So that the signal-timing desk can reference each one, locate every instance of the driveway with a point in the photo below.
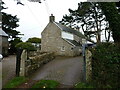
(66, 70)
(8, 68)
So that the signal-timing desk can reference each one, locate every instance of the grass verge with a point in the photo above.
(83, 85)
(15, 82)
(46, 84)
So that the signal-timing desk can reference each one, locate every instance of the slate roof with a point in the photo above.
(70, 30)
(73, 42)
(2, 33)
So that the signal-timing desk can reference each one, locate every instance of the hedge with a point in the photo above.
(106, 65)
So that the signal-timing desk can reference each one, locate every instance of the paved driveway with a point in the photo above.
(66, 70)
(8, 68)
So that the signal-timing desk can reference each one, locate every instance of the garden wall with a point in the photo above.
(33, 62)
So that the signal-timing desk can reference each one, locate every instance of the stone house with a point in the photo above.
(4, 44)
(61, 40)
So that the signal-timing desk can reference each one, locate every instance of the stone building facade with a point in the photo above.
(60, 39)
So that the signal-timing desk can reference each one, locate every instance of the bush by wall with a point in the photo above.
(26, 45)
(106, 65)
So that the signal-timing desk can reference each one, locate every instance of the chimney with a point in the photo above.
(52, 18)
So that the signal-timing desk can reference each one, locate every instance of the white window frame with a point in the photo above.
(63, 48)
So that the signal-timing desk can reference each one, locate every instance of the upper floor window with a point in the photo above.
(67, 35)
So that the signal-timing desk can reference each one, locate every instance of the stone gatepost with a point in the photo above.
(0, 75)
(88, 65)
(22, 63)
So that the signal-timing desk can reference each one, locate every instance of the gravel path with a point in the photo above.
(8, 68)
(67, 70)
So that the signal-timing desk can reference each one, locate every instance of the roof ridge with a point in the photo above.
(67, 26)
(70, 30)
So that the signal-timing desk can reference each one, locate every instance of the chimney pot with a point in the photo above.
(52, 18)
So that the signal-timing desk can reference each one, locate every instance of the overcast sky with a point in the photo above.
(33, 16)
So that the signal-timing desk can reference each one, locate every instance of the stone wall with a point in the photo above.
(88, 65)
(34, 62)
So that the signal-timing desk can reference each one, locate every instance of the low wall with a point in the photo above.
(34, 62)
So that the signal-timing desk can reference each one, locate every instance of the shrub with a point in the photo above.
(106, 65)
(26, 45)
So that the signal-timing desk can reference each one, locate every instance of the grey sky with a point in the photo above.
(35, 16)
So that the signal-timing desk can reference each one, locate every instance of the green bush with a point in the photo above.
(26, 45)
(15, 82)
(106, 65)
(46, 84)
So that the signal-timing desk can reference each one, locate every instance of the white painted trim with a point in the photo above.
(68, 42)
(57, 25)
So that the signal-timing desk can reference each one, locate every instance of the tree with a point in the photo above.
(13, 43)
(89, 18)
(113, 16)
(34, 40)
(9, 24)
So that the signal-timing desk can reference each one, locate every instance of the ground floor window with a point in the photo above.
(72, 48)
(63, 48)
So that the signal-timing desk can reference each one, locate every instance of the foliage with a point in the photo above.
(34, 40)
(46, 84)
(26, 45)
(83, 85)
(15, 82)
(88, 18)
(106, 65)
(9, 23)
(113, 16)
(13, 43)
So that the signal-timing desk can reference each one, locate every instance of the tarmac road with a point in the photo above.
(67, 70)
(8, 68)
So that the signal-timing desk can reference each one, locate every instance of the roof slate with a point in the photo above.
(70, 30)
(73, 42)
